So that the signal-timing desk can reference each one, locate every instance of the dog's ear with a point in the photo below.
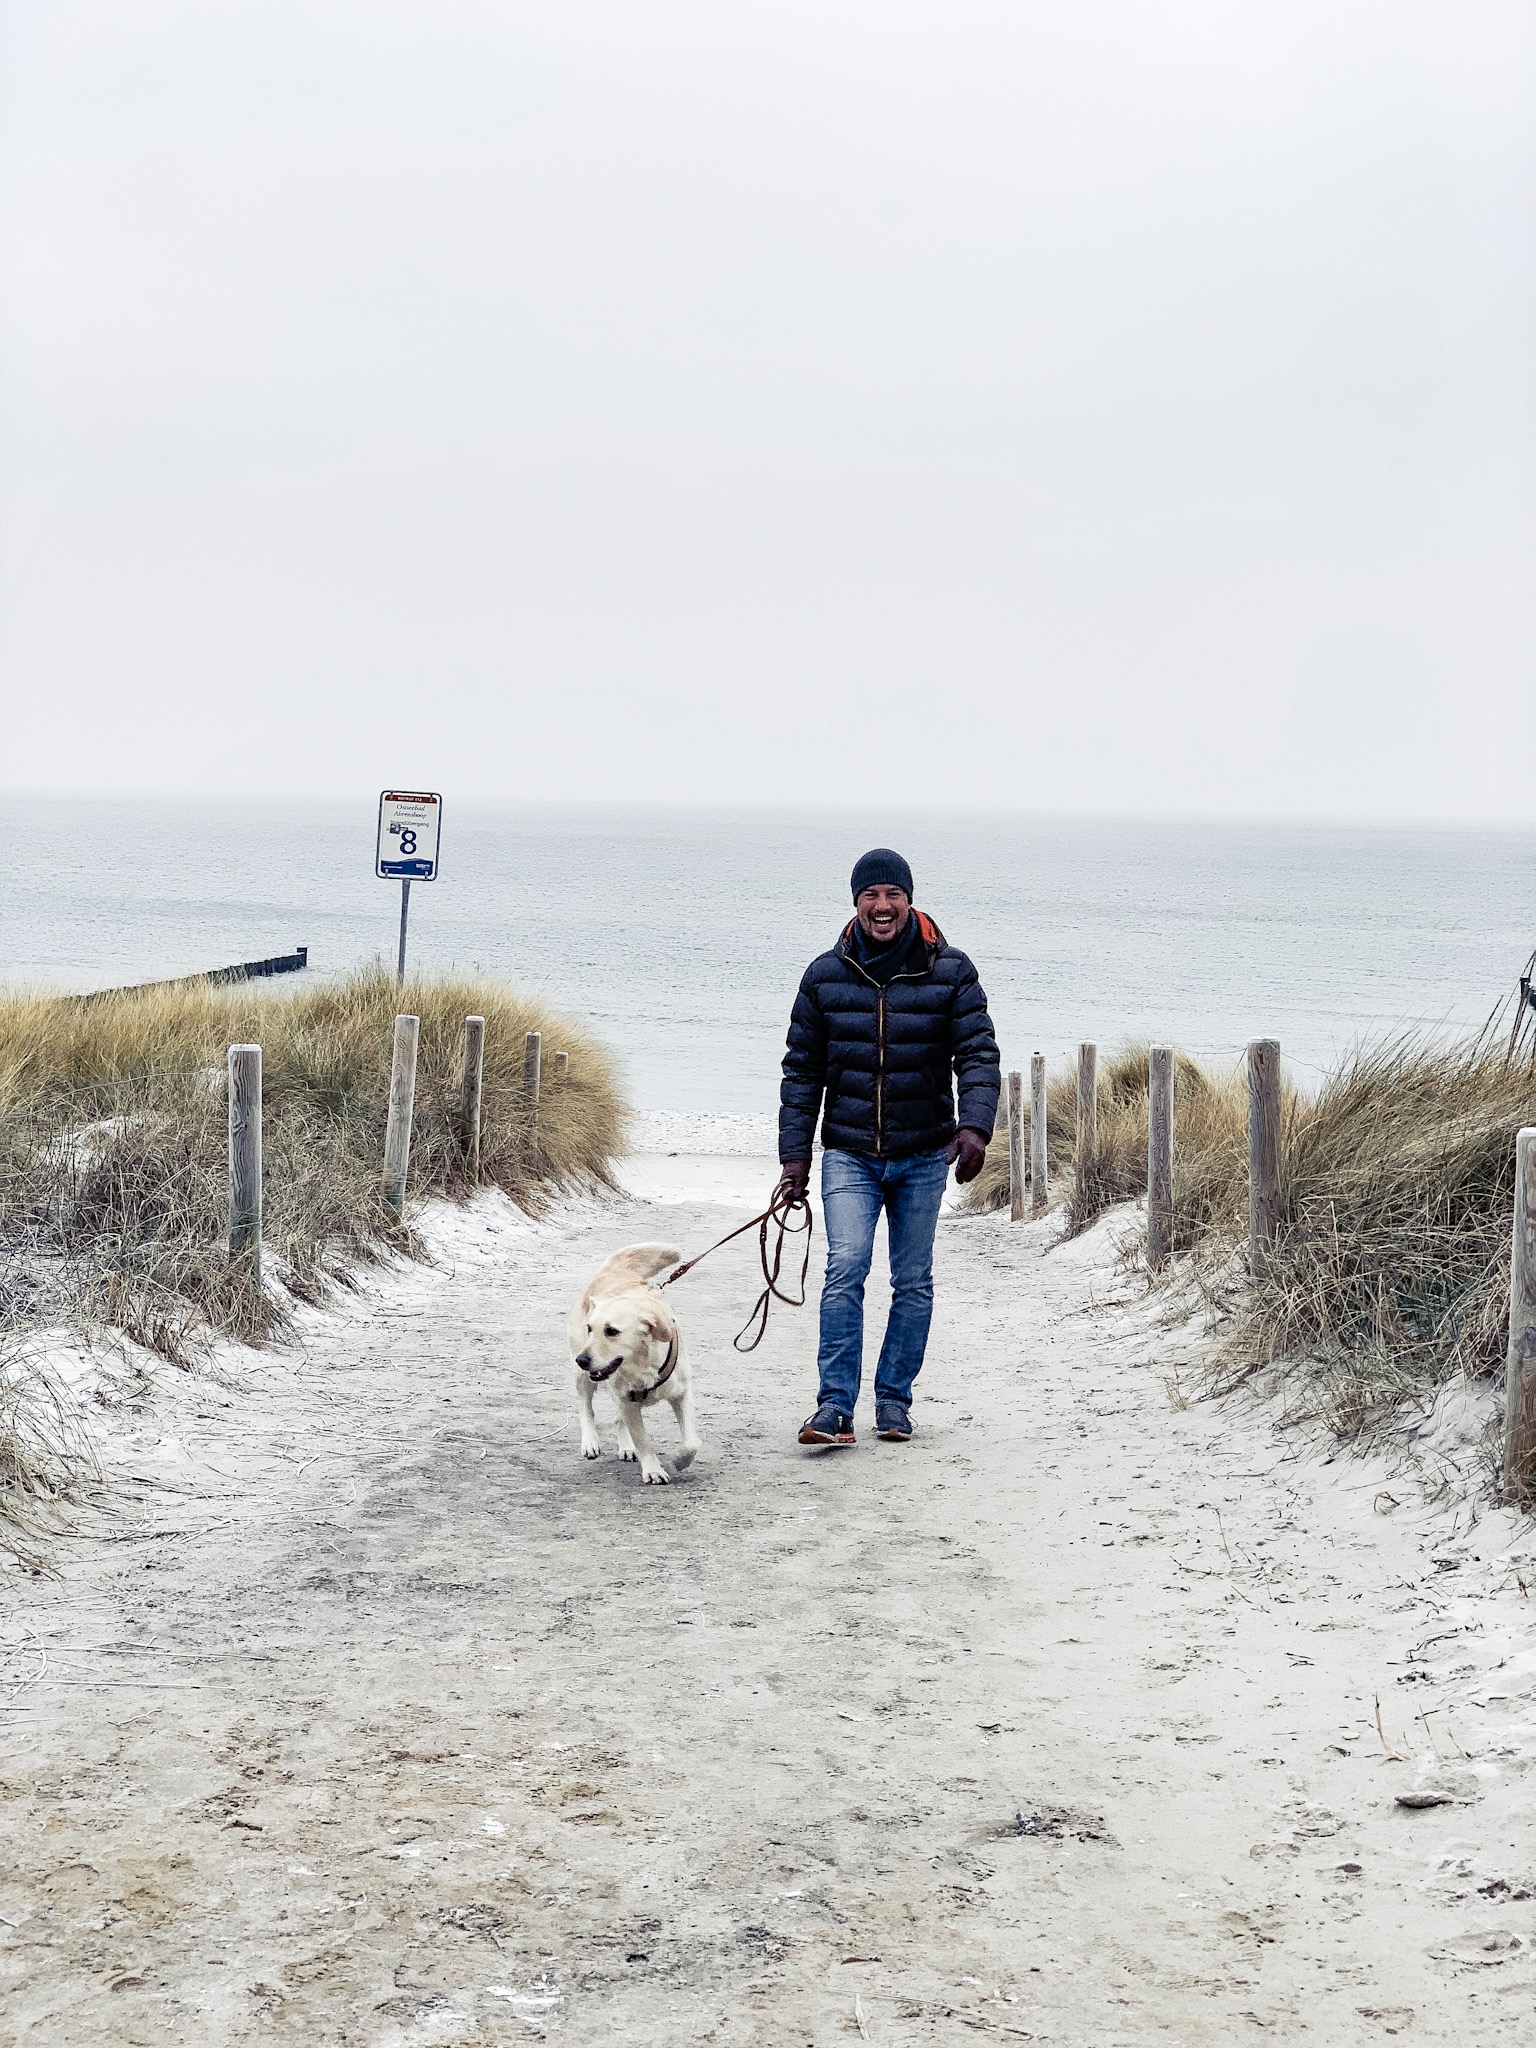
(654, 1327)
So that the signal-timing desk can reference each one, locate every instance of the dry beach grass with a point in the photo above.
(1390, 1272)
(1210, 1121)
(113, 1155)
(1390, 1275)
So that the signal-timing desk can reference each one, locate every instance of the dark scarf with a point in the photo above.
(883, 963)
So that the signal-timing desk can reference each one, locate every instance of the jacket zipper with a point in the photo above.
(880, 1074)
(880, 1044)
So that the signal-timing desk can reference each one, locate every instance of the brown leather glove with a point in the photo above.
(967, 1149)
(796, 1177)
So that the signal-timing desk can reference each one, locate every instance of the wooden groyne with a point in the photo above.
(244, 970)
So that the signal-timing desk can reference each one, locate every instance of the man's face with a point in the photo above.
(882, 912)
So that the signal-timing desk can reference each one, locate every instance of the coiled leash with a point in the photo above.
(785, 1209)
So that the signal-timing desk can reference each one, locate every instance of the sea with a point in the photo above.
(678, 935)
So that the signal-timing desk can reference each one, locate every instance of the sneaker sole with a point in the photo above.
(813, 1436)
(894, 1436)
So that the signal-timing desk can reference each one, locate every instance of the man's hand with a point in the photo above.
(967, 1149)
(795, 1178)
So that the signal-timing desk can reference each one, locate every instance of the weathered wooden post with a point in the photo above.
(1016, 1147)
(245, 1156)
(1263, 1147)
(402, 1105)
(1159, 1154)
(1520, 1361)
(562, 1066)
(1039, 1161)
(1087, 1102)
(469, 1095)
(532, 1045)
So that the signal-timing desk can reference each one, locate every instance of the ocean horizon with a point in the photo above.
(678, 934)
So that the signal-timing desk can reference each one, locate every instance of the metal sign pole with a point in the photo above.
(410, 824)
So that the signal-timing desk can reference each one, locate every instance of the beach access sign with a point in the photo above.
(410, 821)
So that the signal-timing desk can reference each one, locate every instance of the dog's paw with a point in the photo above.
(591, 1450)
(627, 1451)
(684, 1457)
(656, 1478)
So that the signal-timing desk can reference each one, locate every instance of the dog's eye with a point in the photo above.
(609, 1330)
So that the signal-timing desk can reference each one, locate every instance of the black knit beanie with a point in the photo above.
(881, 865)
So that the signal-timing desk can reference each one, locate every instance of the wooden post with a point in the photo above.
(1520, 1362)
(1263, 1147)
(531, 1054)
(1016, 1147)
(469, 1096)
(402, 1104)
(1039, 1158)
(1087, 1101)
(1159, 1154)
(562, 1066)
(245, 1156)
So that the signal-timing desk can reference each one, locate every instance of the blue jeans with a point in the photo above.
(854, 1190)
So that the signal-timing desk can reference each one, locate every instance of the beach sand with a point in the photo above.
(380, 1717)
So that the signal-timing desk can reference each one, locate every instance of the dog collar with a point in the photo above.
(644, 1393)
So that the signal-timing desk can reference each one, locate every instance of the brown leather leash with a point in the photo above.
(785, 1209)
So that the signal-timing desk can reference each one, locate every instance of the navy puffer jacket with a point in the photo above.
(882, 1057)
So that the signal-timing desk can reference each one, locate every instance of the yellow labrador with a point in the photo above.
(624, 1336)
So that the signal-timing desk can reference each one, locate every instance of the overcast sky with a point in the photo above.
(1069, 406)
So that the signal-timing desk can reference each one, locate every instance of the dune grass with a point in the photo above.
(1209, 1111)
(113, 1149)
(1389, 1274)
(1390, 1270)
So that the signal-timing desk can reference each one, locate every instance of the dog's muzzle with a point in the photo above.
(597, 1373)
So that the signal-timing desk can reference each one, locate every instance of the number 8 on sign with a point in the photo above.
(410, 823)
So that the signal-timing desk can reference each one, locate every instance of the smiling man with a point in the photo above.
(879, 1026)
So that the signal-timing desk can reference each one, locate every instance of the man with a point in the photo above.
(877, 1027)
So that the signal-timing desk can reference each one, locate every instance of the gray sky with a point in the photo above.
(1077, 406)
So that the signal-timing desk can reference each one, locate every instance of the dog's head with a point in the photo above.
(613, 1334)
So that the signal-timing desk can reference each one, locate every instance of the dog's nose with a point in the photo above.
(584, 1359)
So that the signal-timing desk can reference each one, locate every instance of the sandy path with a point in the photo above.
(394, 1722)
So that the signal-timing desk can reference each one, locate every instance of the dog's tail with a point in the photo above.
(645, 1261)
